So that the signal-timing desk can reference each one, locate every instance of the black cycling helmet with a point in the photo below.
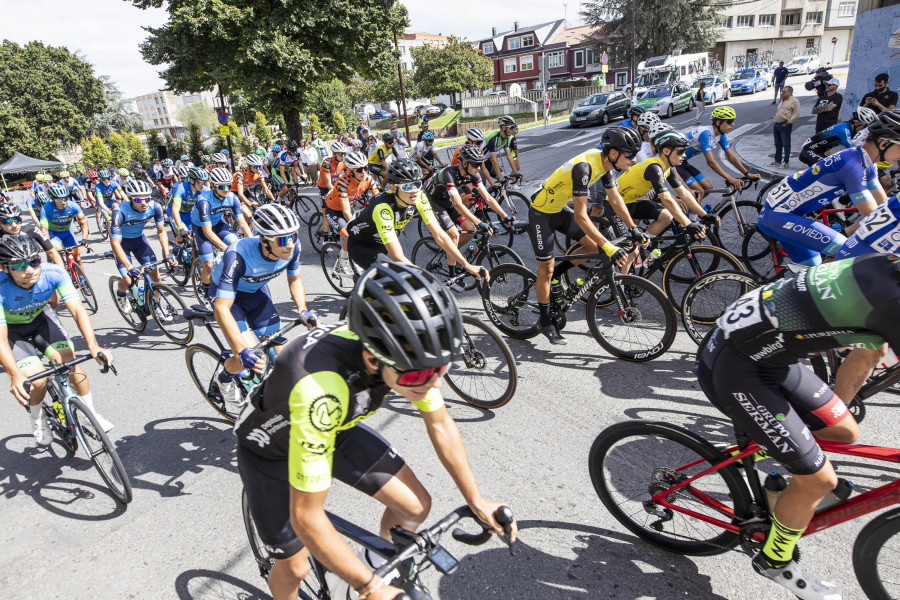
(886, 125)
(471, 154)
(16, 248)
(636, 111)
(670, 139)
(405, 317)
(623, 139)
(506, 121)
(8, 210)
(402, 171)
(198, 173)
(291, 145)
(387, 137)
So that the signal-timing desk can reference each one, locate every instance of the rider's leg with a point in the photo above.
(855, 369)
(803, 239)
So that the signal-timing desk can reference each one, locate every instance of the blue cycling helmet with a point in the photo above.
(184, 158)
(104, 174)
(198, 173)
(59, 191)
(427, 136)
(225, 151)
(42, 197)
(276, 148)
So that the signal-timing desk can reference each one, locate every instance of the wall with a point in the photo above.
(871, 55)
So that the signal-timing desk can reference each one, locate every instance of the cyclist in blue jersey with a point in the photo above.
(108, 193)
(29, 328)
(35, 205)
(182, 198)
(210, 230)
(851, 172)
(76, 190)
(287, 165)
(57, 217)
(41, 183)
(270, 162)
(128, 240)
(815, 148)
(634, 113)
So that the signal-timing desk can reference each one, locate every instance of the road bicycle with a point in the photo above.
(485, 374)
(407, 554)
(883, 379)
(184, 257)
(74, 424)
(679, 492)
(305, 206)
(426, 253)
(736, 216)
(317, 237)
(79, 279)
(708, 297)
(157, 300)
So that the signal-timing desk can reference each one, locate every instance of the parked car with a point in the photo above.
(803, 65)
(769, 74)
(433, 109)
(717, 88)
(599, 108)
(441, 105)
(666, 100)
(748, 81)
(382, 114)
(500, 93)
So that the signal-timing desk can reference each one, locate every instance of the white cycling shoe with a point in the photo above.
(796, 580)
(124, 303)
(231, 396)
(40, 429)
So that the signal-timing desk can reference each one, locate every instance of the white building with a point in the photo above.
(408, 41)
(158, 109)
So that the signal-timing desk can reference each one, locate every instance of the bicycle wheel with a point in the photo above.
(428, 255)
(181, 272)
(102, 225)
(731, 232)
(632, 461)
(485, 375)
(875, 557)
(305, 206)
(135, 318)
(341, 282)
(761, 196)
(760, 254)
(510, 301)
(197, 283)
(203, 365)
(168, 314)
(495, 256)
(708, 297)
(317, 237)
(689, 265)
(261, 555)
(83, 285)
(641, 329)
(100, 450)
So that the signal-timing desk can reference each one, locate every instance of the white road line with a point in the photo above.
(734, 135)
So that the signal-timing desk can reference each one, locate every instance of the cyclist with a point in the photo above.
(425, 154)
(549, 213)
(634, 116)
(57, 217)
(29, 328)
(815, 148)
(749, 369)
(474, 137)
(648, 125)
(184, 161)
(182, 199)
(704, 139)
(504, 141)
(164, 182)
(290, 158)
(126, 234)
(851, 172)
(330, 169)
(383, 154)
(124, 177)
(247, 179)
(11, 223)
(270, 163)
(301, 427)
(240, 295)
(211, 231)
(35, 205)
(76, 191)
(353, 187)
(41, 183)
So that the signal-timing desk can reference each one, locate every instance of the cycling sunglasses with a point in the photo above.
(411, 186)
(254, 167)
(13, 221)
(105, 178)
(418, 378)
(222, 187)
(34, 263)
(680, 151)
(141, 199)
(629, 155)
(282, 240)
(361, 170)
(729, 121)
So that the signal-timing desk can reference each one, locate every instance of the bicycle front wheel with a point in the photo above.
(494, 256)
(708, 297)
(317, 237)
(875, 557)
(632, 320)
(485, 375)
(102, 225)
(736, 223)
(203, 365)
(342, 281)
(305, 206)
(760, 254)
(181, 272)
(101, 451)
(135, 317)
(168, 313)
(632, 461)
(689, 265)
(428, 255)
(197, 283)
(510, 301)
(84, 288)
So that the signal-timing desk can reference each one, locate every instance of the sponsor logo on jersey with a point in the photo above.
(768, 349)
(260, 437)
(325, 413)
(809, 232)
(816, 169)
(773, 429)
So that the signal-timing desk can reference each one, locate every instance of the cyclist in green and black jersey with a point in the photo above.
(502, 141)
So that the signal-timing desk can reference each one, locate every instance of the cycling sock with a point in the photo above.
(88, 400)
(224, 376)
(344, 255)
(120, 294)
(560, 268)
(544, 310)
(779, 547)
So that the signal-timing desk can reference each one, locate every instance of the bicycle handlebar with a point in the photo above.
(66, 367)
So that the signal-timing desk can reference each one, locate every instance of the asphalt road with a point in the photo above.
(182, 536)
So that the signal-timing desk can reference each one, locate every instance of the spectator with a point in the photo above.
(423, 128)
(786, 115)
(198, 160)
(398, 135)
(309, 156)
(546, 109)
(829, 107)
(819, 83)
(361, 129)
(259, 149)
(881, 97)
(80, 178)
(779, 76)
(370, 146)
(700, 100)
(156, 169)
(319, 145)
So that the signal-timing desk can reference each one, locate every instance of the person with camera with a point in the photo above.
(819, 83)
(828, 107)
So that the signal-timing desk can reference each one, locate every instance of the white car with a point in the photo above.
(804, 65)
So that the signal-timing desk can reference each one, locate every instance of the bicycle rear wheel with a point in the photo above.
(203, 365)
(102, 225)
(708, 297)
(317, 237)
(83, 285)
(135, 318)
(101, 451)
(874, 557)
(731, 232)
(181, 272)
(341, 282)
(688, 265)
(510, 300)
(632, 461)
(305, 206)
(168, 314)
(197, 283)
(428, 255)
(485, 375)
(760, 254)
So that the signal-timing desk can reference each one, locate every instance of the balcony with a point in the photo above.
(792, 4)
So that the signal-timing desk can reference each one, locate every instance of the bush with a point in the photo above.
(337, 120)
(314, 124)
(261, 130)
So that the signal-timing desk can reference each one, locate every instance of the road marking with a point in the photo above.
(734, 135)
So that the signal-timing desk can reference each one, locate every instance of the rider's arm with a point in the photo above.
(736, 161)
(115, 238)
(47, 247)
(85, 228)
(461, 206)
(513, 161)
(9, 365)
(440, 236)
(266, 189)
(241, 221)
(489, 200)
(83, 320)
(654, 174)
(233, 269)
(43, 222)
(298, 291)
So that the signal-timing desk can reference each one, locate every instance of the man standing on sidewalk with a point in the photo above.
(786, 115)
(828, 107)
(779, 76)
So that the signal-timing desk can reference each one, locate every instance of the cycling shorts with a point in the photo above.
(375, 170)
(809, 158)
(362, 254)
(138, 248)
(542, 225)
(447, 217)
(184, 216)
(362, 459)
(803, 239)
(205, 248)
(323, 191)
(776, 406)
(276, 177)
(336, 220)
(253, 311)
(44, 335)
(689, 173)
(643, 208)
(62, 239)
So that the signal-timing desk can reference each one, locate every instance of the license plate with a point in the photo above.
(581, 118)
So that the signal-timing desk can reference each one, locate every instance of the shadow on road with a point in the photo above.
(205, 584)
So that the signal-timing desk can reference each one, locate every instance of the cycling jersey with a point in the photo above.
(182, 198)
(245, 178)
(168, 175)
(348, 188)
(22, 305)
(59, 220)
(318, 388)
(106, 190)
(572, 179)
(38, 186)
(425, 152)
(35, 234)
(446, 181)
(270, 162)
(840, 134)
(330, 169)
(72, 185)
(494, 144)
(456, 161)
(878, 232)
(626, 123)
(209, 208)
(645, 177)
(702, 140)
(380, 221)
(243, 268)
(381, 156)
(287, 159)
(128, 223)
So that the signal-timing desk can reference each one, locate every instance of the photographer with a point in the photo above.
(819, 82)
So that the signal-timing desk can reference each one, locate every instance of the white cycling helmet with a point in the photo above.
(865, 115)
(138, 188)
(356, 160)
(647, 119)
(253, 160)
(475, 134)
(273, 220)
(338, 148)
(657, 128)
(218, 157)
(357, 144)
(219, 176)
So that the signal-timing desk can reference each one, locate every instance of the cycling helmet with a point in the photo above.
(219, 176)
(105, 174)
(63, 174)
(427, 137)
(8, 210)
(218, 158)
(198, 173)
(252, 160)
(355, 160)
(357, 144)
(647, 119)
(204, 159)
(637, 110)
(291, 145)
(387, 137)
(16, 248)
(184, 158)
(138, 188)
(124, 173)
(471, 154)
(60, 191)
(475, 134)
(886, 125)
(864, 115)
(272, 220)
(276, 148)
(167, 162)
(723, 113)
(623, 139)
(43, 177)
(402, 171)
(405, 317)
(670, 139)
(92, 174)
(225, 151)
(506, 121)
(338, 148)
(42, 197)
(658, 128)
(182, 172)
(136, 165)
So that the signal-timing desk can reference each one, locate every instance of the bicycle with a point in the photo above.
(736, 216)
(687, 496)
(883, 379)
(485, 375)
(184, 256)
(629, 316)
(428, 255)
(74, 424)
(402, 552)
(317, 237)
(157, 300)
(708, 297)
(305, 206)
(79, 278)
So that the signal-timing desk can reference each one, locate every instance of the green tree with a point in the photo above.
(102, 155)
(137, 148)
(360, 90)
(315, 124)
(338, 121)
(119, 149)
(194, 139)
(174, 146)
(456, 67)
(200, 114)
(274, 53)
(117, 114)
(261, 129)
(329, 98)
(16, 135)
(387, 89)
(659, 27)
(153, 142)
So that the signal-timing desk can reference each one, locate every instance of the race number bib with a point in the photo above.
(746, 312)
(875, 221)
(779, 193)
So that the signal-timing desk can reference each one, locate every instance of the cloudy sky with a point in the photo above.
(108, 32)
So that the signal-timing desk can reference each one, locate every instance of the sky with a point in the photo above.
(108, 32)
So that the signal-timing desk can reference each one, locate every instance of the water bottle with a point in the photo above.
(774, 485)
(556, 291)
(837, 496)
(139, 291)
(572, 292)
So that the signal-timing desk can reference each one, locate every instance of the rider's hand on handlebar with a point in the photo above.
(710, 219)
(103, 356)
(252, 359)
(639, 237)
(737, 184)
(386, 592)
(134, 272)
(752, 176)
(618, 255)
(17, 388)
(485, 228)
(696, 230)
(485, 509)
(310, 318)
(478, 271)
(170, 258)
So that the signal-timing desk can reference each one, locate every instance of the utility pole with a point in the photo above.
(227, 137)
(633, 46)
(402, 92)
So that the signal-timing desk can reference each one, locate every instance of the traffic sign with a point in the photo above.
(223, 117)
(834, 40)
(224, 130)
(604, 59)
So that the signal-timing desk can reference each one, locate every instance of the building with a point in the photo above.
(839, 22)
(408, 41)
(516, 54)
(158, 109)
(570, 55)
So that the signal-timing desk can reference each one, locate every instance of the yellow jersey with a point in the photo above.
(572, 179)
(633, 183)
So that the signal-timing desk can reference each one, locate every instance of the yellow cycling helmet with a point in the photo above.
(43, 177)
(124, 173)
(723, 113)
(63, 174)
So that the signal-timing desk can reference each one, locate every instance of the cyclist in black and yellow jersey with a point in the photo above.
(382, 155)
(549, 213)
(301, 427)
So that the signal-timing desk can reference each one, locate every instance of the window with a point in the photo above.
(725, 22)
(488, 48)
(846, 9)
(745, 21)
(513, 43)
(767, 20)
(621, 79)
(526, 63)
(810, 42)
(683, 70)
(814, 18)
(579, 58)
(555, 59)
(509, 65)
(591, 59)
(527, 40)
(790, 18)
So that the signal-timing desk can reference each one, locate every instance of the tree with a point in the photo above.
(153, 141)
(387, 89)
(119, 149)
(261, 129)
(315, 124)
(659, 28)
(194, 139)
(274, 53)
(328, 99)
(16, 135)
(338, 122)
(117, 114)
(199, 114)
(138, 151)
(456, 67)
(100, 152)
(174, 146)
(360, 90)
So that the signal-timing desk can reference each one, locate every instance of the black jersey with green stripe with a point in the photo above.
(852, 302)
(382, 218)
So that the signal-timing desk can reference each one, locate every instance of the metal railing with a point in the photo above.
(488, 101)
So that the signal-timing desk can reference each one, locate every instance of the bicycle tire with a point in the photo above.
(92, 436)
(760, 254)
(494, 256)
(729, 233)
(429, 256)
(136, 319)
(102, 225)
(867, 550)
(317, 237)
(690, 264)
(474, 385)
(328, 258)
(304, 206)
(708, 297)
(761, 196)
(510, 301)
(181, 272)
(179, 330)
(197, 283)
(604, 319)
(205, 378)
(655, 472)
(63, 434)
(86, 290)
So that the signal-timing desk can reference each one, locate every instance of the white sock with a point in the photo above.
(35, 412)
(88, 400)
(344, 255)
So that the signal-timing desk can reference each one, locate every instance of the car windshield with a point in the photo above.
(594, 100)
(800, 61)
(662, 92)
(745, 74)
(707, 80)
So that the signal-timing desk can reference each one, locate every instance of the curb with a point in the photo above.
(766, 171)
